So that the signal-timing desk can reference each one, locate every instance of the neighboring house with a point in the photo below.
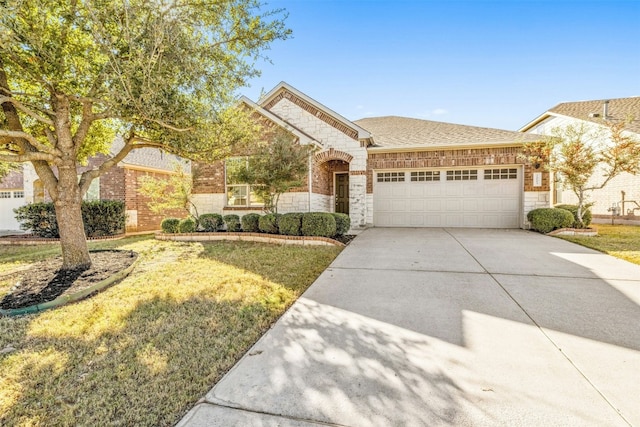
(389, 171)
(119, 183)
(622, 192)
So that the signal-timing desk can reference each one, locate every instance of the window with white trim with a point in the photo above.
(505, 173)
(419, 176)
(390, 176)
(18, 194)
(239, 193)
(5, 194)
(462, 175)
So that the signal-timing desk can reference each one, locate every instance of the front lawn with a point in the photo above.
(145, 350)
(620, 241)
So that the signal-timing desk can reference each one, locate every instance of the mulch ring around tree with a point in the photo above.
(45, 281)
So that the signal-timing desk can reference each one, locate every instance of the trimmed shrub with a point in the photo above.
(250, 223)
(210, 222)
(100, 218)
(103, 217)
(170, 225)
(290, 224)
(232, 222)
(269, 223)
(343, 223)
(586, 214)
(39, 219)
(546, 220)
(187, 225)
(318, 224)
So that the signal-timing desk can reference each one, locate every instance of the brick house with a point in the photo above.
(390, 171)
(622, 192)
(119, 183)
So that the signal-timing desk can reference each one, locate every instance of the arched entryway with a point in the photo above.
(331, 178)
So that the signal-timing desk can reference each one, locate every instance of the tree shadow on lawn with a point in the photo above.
(147, 369)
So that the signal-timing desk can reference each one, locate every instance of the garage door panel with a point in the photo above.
(417, 205)
(462, 202)
(433, 205)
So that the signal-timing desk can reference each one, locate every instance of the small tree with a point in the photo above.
(173, 192)
(575, 153)
(275, 168)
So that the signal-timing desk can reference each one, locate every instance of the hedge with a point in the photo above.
(232, 221)
(318, 224)
(250, 223)
(343, 223)
(170, 225)
(210, 222)
(187, 225)
(290, 224)
(100, 218)
(586, 214)
(103, 217)
(546, 220)
(269, 223)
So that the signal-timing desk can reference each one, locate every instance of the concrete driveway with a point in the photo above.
(427, 327)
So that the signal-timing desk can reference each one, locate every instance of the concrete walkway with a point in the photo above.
(427, 327)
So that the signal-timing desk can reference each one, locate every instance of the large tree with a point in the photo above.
(587, 157)
(162, 73)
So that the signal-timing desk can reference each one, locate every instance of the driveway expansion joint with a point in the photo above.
(253, 411)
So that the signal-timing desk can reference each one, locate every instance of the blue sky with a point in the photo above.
(483, 63)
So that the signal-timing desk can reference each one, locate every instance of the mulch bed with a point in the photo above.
(346, 239)
(45, 281)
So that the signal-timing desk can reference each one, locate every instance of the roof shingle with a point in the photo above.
(619, 109)
(405, 132)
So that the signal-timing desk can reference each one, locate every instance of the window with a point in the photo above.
(391, 177)
(5, 194)
(93, 193)
(239, 193)
(425, 176)
(500, 173)
(18, 194)
(462, 175)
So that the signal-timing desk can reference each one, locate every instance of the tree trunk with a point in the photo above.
(75, 252)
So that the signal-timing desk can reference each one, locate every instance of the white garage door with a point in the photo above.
(9, 200)
(481, 198)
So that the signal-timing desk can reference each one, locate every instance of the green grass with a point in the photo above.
(620, 241)
(145, 350)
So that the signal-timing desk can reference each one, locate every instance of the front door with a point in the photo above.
(342, 193)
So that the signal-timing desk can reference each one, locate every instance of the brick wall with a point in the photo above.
(208, 178)
(112, 184)
(323, 176)
(136, 202)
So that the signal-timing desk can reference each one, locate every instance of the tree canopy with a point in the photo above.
(275, 167)
(161, 73)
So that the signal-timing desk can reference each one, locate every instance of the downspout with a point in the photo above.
(310, 181)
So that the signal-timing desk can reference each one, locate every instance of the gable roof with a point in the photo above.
(392, 132)
(286, 91)
(593, 111)
(302, 137)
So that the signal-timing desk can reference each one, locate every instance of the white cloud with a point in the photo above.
(439, 112)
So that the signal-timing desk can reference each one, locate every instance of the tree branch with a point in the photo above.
(20, 106)
(29, 157)
(31, 140)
